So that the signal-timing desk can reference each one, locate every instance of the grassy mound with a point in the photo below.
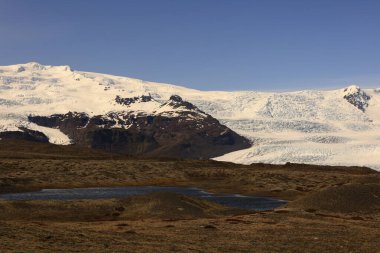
(167, 205)
(161, 205)
(13, 148)
(350, 198)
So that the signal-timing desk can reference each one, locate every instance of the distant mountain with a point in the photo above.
(43, 103)
(63, 106)
(175, 128)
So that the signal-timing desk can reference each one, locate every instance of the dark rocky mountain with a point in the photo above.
(357, 97)
(184, 132)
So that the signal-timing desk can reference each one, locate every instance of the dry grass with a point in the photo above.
(161, 205)
(350, 198)
(317, 220)
(261, 232)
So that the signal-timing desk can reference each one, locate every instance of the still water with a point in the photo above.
(231, 200)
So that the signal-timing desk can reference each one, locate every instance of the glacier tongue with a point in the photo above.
(334, 127)
(317, 127)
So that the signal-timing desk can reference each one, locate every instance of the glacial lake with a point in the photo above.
(231, 200)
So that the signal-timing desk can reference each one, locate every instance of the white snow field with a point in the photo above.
(334, 127)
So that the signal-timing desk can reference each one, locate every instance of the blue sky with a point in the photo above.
(204, 44)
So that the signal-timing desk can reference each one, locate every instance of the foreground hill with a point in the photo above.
(337, 127)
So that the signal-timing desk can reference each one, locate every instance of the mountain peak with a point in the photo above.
(352, 89)
(176, 98)
(357, 97)
(35, 66)
(176, 101)
(33, 63)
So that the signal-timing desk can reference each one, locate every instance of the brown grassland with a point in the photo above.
(330, 209)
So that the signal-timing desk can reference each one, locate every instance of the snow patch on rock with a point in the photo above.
(357, 97)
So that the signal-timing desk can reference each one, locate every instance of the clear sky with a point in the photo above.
(203, 44)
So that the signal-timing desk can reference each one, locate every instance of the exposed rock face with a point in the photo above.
(25, 134)
(176, 101)
(355, 96)
(129, 101)
(184, 133)
(68, 120)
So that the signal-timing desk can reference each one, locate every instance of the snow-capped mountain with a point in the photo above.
(335, 127)
(56, 104)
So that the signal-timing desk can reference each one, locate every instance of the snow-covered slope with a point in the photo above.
(336, 127)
